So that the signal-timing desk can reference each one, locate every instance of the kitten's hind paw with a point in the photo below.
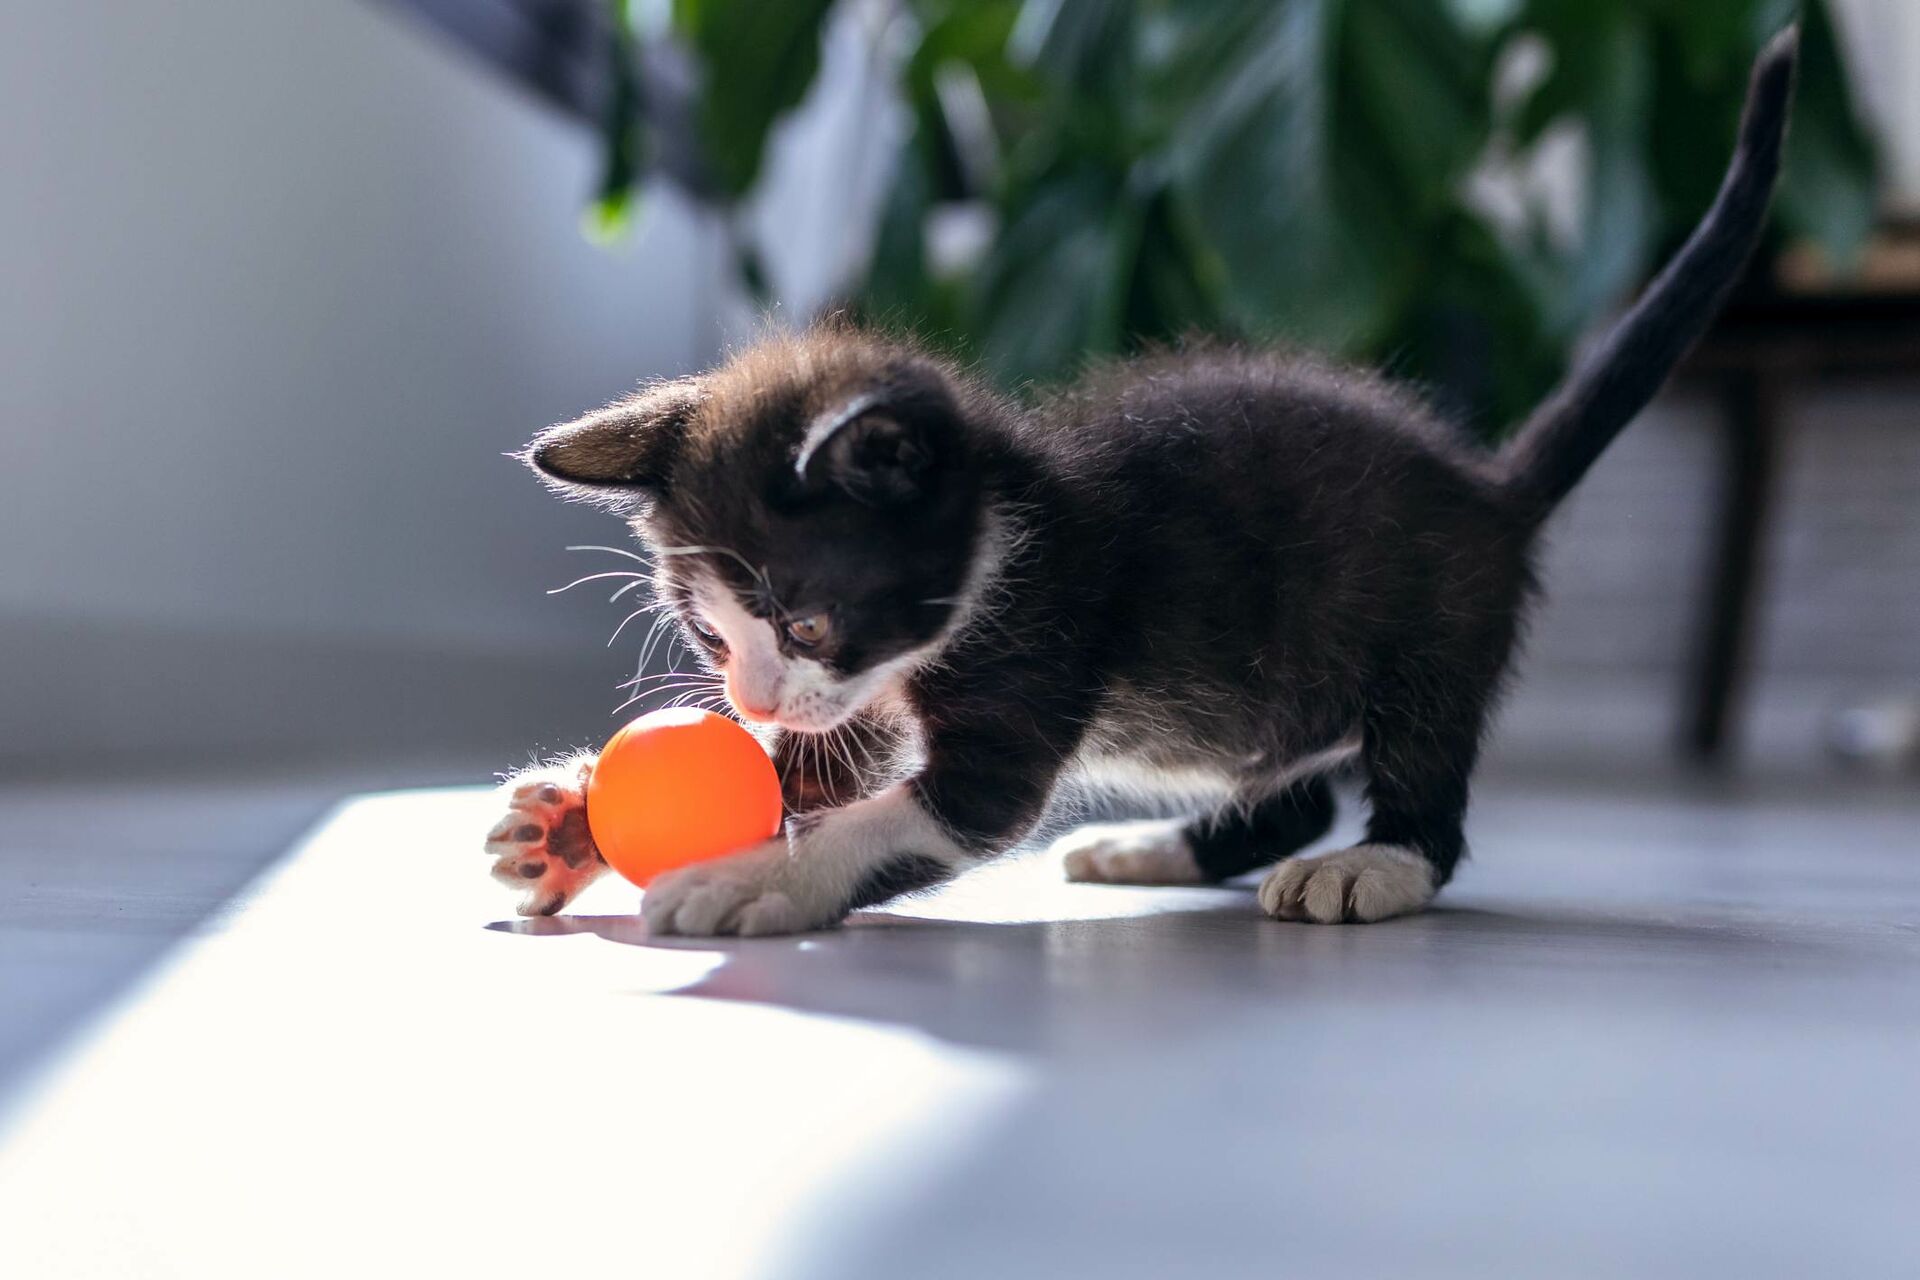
(1153, 851)
(542, 844)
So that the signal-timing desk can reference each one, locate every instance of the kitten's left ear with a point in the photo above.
(628, 446)
(871, 453)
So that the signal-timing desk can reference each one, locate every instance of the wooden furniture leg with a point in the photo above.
(1724, 634)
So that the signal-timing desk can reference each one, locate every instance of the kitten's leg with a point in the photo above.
(1204, 850)
(980, 790)
(1418, 759)
(827, 863)
(542, 845)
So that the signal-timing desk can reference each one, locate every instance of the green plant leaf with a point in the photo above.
(1829, 191)
(1052, 290)
(757, 59)
(1255, 170)
(1602, 76)
(897, 278)
(611, 215)
(1289, 168)
(1415, 86)
(1173, 290)
(1084, 47)
(1476, 331)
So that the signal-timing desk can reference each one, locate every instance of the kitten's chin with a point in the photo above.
(813, 724)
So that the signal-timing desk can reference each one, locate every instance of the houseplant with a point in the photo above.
(1313, 171)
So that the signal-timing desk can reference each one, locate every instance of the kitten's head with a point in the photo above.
(815, 508)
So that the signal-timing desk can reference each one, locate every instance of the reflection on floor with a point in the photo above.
(1653, 1031)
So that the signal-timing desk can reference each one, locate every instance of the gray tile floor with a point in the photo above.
(1654, 1030)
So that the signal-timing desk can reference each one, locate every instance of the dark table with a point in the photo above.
(1768, 345)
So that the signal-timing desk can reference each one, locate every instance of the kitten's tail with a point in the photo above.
(1567, 432)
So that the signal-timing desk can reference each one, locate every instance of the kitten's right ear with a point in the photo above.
(629, 446)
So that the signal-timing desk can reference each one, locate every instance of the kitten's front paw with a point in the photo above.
(750, 894)
(1359, 885)
(542, 844)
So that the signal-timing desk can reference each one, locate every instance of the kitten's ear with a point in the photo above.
(871, 454)
(629, 445)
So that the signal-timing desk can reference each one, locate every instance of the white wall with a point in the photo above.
(279, 282)
(1882, 37)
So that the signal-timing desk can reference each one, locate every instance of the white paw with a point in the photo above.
(542, 844)
(758, 892)
(1152, 852)
(1365, 883)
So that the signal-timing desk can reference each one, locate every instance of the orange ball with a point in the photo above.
(680, 786)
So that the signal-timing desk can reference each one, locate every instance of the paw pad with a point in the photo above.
(542, 845)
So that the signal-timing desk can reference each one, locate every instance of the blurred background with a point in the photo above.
(283, 282)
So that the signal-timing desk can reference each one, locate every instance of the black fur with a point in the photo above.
(1232, 842)
(1564, 437)
(905, 874)
(1208, 560)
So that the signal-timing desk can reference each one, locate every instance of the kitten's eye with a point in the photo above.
(810, 630)
(706, 632)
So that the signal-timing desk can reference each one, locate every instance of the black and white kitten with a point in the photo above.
(1215, 571)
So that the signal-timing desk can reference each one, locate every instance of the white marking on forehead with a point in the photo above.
(825, 424)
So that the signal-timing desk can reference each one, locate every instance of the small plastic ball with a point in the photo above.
(680, 786)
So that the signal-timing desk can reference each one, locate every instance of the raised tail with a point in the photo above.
(1554, 448)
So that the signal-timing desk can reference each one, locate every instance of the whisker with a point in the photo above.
(700, 676)
(648, 693)
(759, 574)
(653, 641)
(662, 626)
(623, 706)
(853, 766)
(846, 756)
(595, 577)
(810, 756)
(866, 754)
(618, 551)
(660, 622)
(623, 626)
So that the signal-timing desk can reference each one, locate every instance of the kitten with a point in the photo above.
(1212, 571)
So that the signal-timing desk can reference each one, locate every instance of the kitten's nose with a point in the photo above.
(745, 706)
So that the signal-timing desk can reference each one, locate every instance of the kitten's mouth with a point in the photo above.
(802, 705)
(798, 724)
(815, 719)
